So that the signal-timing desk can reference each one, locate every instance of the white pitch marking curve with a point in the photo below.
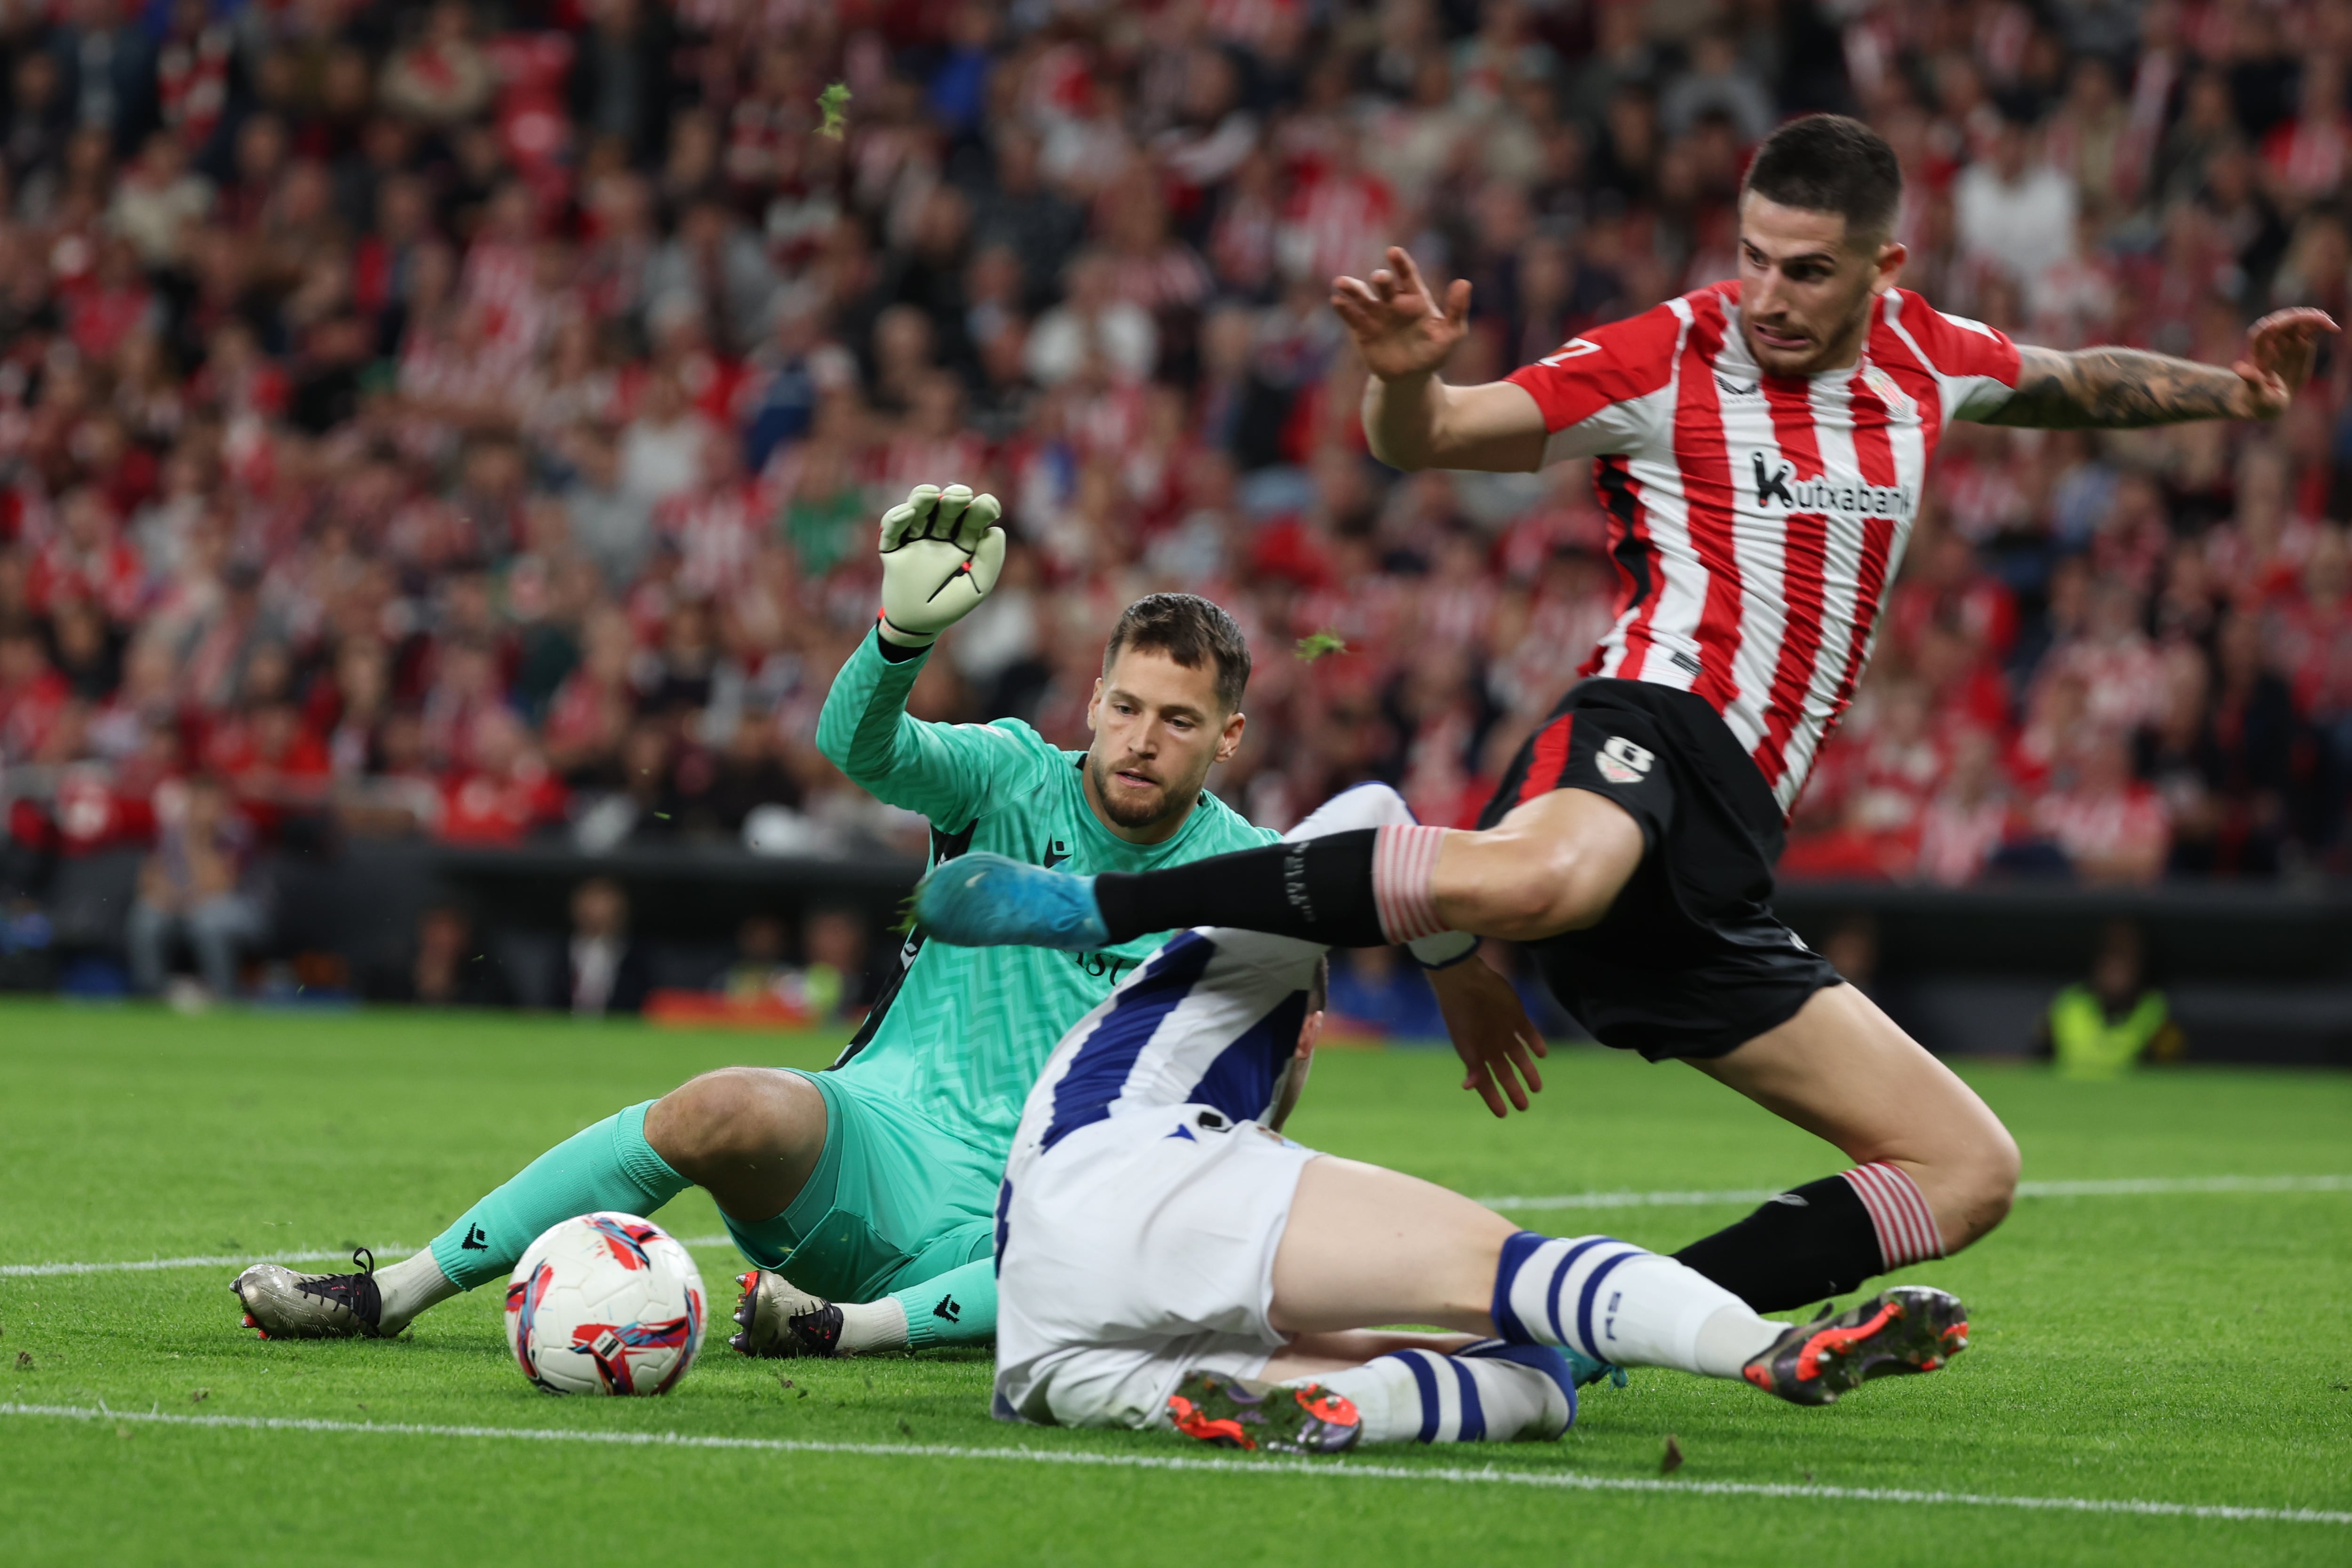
(2129, 1187)
(1340, 1469)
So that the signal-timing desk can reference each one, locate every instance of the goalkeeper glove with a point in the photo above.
(942, 552)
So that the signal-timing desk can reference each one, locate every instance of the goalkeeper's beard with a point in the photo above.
(1126, 810)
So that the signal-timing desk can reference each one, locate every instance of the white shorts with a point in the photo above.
(1139, 1249)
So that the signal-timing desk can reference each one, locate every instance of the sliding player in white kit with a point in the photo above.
(1166, 1257)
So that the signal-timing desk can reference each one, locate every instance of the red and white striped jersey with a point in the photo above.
(1756, 521)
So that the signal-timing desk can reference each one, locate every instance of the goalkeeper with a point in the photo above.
(872, 1185)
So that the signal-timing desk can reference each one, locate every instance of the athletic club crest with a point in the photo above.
(1898, 402)
(1623, 762)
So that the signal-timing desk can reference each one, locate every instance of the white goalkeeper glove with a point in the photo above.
(942, 552)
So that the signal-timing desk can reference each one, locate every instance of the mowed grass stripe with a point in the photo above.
(1349, 1469)
(2127, 1187)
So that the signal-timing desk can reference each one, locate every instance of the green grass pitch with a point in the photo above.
(2175, 1349)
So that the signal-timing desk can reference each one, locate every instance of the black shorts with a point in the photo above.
(1690, 960)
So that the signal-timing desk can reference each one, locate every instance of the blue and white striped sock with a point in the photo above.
(1488, 1392)
(1616, 1302)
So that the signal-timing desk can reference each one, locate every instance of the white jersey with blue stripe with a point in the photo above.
(1212, 1018)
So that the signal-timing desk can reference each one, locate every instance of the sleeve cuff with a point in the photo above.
(896, 652)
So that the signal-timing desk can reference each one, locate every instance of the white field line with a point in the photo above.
(2131, 1186)
(1348, 1470)
(2134, 1187)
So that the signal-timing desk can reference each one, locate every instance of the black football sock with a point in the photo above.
(1807, 1245)
(1317, 889)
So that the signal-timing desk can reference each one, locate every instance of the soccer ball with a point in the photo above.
(606, 1303)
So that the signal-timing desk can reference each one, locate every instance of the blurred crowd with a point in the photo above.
(469, 420)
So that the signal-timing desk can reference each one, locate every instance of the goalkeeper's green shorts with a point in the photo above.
(894, 1200)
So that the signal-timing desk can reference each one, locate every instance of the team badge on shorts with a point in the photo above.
(1623, 762)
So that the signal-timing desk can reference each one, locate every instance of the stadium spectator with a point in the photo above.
(2110, 827)
(441, 78)
(1852, 949)
(604, 969)
(450, 968)
(494, 401)
(2103, 1026)
(2015, 212)
(834, 975)
(2312, 639)
(1968, 819)
(190, 889)
(33, 697)
(2248, 750)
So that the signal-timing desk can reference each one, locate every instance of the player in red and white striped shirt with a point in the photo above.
(1760, 446)
(1757, 517)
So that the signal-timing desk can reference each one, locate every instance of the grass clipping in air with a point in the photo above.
(1315, 644)
(834, 103)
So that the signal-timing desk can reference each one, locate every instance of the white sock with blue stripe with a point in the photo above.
(1616, 1302)
(1487, 1392)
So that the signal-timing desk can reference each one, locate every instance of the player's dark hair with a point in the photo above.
(1829, 163)
(1190, 629)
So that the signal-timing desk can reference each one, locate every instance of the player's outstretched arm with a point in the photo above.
(1412, 419)
(942, 552)
(2106, 387)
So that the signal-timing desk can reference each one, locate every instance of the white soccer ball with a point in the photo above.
(606, 1303)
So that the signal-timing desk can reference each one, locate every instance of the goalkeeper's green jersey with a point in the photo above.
(963, 1033)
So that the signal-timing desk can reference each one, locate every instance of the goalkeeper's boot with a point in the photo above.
(1908, 1329)
(777, 1319)
(983, 900)
(281, 1304)
(1588, 1370)
(1289, 1418)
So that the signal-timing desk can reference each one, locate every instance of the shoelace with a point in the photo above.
(818, 1330)
(340, 1287)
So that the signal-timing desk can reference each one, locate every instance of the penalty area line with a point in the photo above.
(2128, 1186)
(1344, 1469)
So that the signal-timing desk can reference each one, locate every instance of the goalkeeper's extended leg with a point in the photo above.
(607, 1167)
(749, 1135)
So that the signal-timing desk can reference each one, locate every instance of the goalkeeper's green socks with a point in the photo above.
(958, 1307)
(608, 1166)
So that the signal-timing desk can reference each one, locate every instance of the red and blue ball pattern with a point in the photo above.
(605, 1303)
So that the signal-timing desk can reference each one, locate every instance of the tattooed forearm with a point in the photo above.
(2117, 389)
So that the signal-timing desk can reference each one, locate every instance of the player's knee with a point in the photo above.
(1981, 1186)
(719, 1120)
